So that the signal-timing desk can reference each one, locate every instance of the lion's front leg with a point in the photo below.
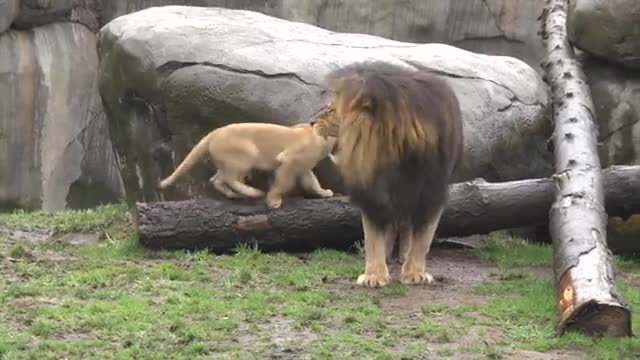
(414, 266)
(376, 273)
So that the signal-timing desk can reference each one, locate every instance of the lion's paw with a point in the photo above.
(416, 278)
(373, 280)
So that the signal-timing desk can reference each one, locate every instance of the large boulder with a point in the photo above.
(616, 97)
(495, 27)
(8, 12)
(55, 150)
(606, 28)
(170, 74)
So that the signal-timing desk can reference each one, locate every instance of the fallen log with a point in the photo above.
(475, 207)
(588, 300)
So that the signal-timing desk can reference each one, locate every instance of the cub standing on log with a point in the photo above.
(400, 138)
(236, 149)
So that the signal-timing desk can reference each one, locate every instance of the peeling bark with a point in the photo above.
(475, 207)
(589, 301)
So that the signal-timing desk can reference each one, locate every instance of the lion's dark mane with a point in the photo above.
(412, 187)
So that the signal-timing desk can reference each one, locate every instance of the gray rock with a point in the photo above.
(168, 75)
(8, 12)
(616, 97)
(54, 138)
(495, 27)
(79, 239)
(41, 12)
(32, 236)
(606, 28)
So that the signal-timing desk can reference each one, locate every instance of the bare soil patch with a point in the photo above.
(453, 271)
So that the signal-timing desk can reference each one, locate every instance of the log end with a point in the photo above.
(598, 319)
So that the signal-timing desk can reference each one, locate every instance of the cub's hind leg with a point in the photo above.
(311, 184)
(236, 165)
(414, 267)
(218, 183)
(234, 178)
(376, 273)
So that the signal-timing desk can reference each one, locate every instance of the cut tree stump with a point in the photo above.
(475, 207)
(588, 300)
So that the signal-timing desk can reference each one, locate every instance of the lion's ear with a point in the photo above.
(362, 99)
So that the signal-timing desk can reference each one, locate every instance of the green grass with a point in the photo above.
(115, 300)
(98, 219)
(523, 305)
(510, 253)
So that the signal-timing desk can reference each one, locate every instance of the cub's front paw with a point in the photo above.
(274, 202)
(325, 193)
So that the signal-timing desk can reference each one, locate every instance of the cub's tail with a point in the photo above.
(197, 153)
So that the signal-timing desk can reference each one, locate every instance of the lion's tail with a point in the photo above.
(196, 154)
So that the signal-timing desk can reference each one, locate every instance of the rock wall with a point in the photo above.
(609, 29)
(54, 139)
(616, 97)
(38, 12)
(8, 12)
(608, 33)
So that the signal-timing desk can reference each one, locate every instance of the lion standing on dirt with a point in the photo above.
(400, 138)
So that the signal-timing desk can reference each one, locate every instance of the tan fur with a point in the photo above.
(236, 149)
(399, 133)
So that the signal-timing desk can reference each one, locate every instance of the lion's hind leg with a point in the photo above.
(414, 266)
(376, 273)
(403, 239)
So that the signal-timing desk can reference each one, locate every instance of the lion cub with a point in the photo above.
(236, 149)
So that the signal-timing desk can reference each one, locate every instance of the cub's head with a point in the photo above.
(326, 122)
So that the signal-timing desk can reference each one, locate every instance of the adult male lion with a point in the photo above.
(400, 138)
